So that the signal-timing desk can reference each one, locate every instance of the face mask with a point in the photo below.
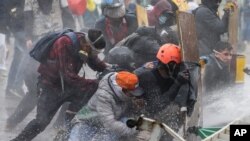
(166, 19)
(162, 19)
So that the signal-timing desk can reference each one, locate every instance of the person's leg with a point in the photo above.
(60, 121)
(13, 70)
(26, 105)
(15, 81)
(47, 106)
(78, 100)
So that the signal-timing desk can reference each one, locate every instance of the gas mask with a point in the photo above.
(169, 70)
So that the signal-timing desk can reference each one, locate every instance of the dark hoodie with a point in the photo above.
(209, 27)
(158, 9)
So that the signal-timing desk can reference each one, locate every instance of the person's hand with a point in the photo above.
(230, 7)
(143, 136)
(29, 44)
(183, 77)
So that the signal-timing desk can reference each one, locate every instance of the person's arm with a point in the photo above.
(66, 70)
(106, 113)
(212, 21)
(96, 64)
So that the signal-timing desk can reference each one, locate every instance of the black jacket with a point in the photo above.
(209, 28)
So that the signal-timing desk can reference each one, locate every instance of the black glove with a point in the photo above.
(247, 71)
(183, 77)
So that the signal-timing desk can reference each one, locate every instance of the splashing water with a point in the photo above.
(225, 106)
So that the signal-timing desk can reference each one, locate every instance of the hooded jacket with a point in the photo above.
(155, 13)
(108, 105)
(209, 28)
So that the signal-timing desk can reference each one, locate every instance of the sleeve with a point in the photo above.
(212, 21)
(65, 67)
(108, 118)
(96, 64)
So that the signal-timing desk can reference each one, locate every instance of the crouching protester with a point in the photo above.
(217, 75)
(59, 81)
(104, 118)
(164, 82)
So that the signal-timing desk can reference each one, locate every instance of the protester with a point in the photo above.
(217, 70)
(209, 26)
(146, 41)
(162, 85)
(15, 22)
(108, 110)
(28, 66)
(59, 81)
(116, 23)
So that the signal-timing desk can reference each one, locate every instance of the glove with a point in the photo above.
(183, 77)
(230, 6)
(143, 136)
(247, 71)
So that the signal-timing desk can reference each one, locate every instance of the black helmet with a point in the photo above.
(122, 56)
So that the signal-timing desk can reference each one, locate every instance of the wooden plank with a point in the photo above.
(188, 37)
(190, 53)
(233, 29)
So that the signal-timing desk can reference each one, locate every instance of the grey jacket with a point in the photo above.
(108, 107)
(209, 27)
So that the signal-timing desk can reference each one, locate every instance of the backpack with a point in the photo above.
(45, 44)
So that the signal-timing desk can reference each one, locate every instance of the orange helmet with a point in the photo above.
(168, 53)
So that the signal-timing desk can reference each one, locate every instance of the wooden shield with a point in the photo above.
(190, 53)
